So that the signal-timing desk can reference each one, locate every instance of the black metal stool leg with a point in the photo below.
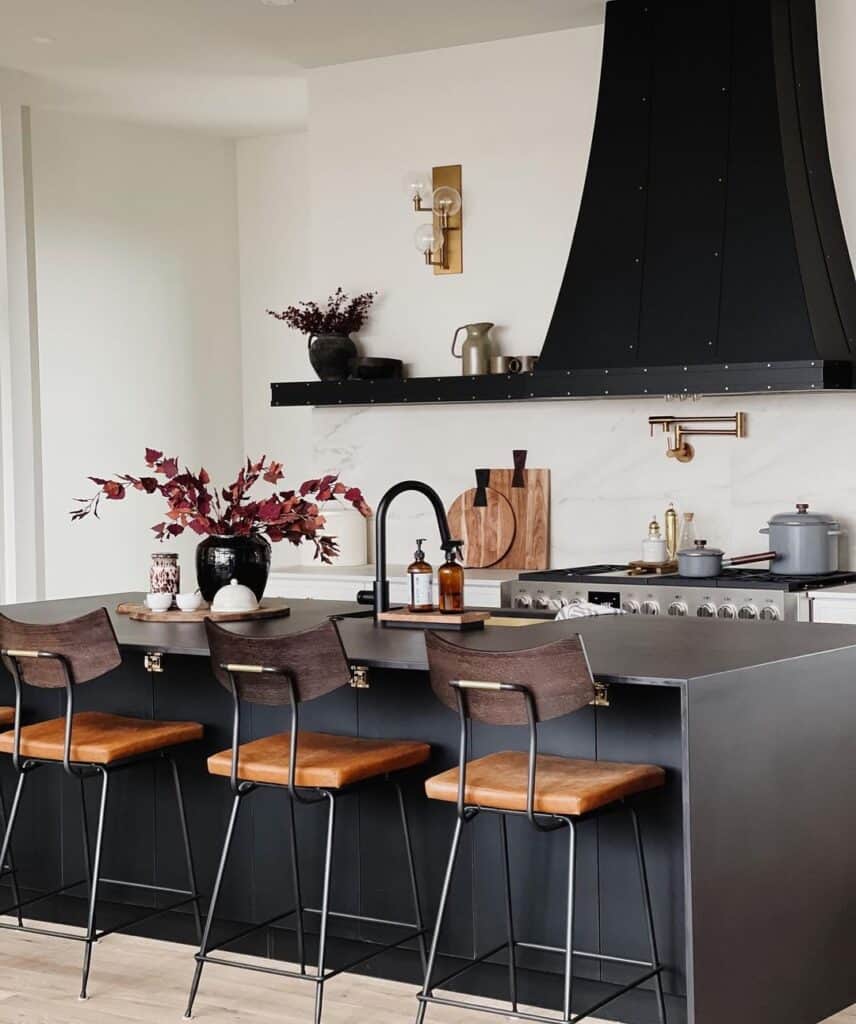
(649, 915)
(212, 907)
(84, 822)
(188, 850)
(414, 885)
(298, 896)
(93, 885)
(509, 914)
(16, 893)
(325, 907)
(569, 924)
(441, 912)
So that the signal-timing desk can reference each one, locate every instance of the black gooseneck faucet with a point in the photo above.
(381, 584)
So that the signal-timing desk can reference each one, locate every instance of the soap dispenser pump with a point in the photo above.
(450, 577)
(421, 576)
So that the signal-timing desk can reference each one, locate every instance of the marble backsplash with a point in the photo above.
(608, 476)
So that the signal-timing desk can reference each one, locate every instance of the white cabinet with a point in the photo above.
(837, 604)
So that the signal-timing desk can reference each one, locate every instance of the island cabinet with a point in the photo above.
(748, 844)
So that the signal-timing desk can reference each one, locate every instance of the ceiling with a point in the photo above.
(236, 66)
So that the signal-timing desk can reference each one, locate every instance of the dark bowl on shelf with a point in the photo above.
(377, 368)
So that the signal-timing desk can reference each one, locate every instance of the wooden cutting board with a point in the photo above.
(484, 520)
(528, 492)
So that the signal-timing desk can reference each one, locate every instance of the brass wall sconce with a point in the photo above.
(441, 241)
(677, 447)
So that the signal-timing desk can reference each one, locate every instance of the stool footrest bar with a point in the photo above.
(244, 932)
(155, 912)
(585, 954)
(42, 896)
(469, 965)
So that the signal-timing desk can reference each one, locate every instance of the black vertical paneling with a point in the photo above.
(824, 256)
(763, 312)
(596, 319)
(686, 201)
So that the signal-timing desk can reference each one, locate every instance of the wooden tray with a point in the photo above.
(270, 608)
(640, 568)
(403, 619)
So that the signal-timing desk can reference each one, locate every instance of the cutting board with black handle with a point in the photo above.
(484, 520)
(528, 493)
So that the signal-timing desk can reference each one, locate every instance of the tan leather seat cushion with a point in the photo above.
(100, 738)
(323, 760)
(562, 785)
(7, 716)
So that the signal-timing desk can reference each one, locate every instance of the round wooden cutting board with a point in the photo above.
(487, 532)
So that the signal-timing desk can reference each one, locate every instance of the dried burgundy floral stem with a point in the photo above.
(294, 516)
(343, 314)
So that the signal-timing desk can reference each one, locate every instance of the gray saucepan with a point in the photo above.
(702, 562)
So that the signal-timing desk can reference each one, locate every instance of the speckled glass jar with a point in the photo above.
(164, 574)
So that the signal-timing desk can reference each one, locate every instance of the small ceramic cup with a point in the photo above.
(159, 602)
(190, 602)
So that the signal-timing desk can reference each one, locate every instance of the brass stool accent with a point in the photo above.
(86, 745)
(551, 792)
(311, 768)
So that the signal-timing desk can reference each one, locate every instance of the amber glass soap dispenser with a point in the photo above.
(450, 579)
(421, 575)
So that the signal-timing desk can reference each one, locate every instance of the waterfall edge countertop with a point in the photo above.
(621, 648)
(748, 843)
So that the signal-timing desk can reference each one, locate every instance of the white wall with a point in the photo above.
(136, 241)
(274, 211)
(518, 114)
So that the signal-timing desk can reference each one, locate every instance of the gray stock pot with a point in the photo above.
(806, 543)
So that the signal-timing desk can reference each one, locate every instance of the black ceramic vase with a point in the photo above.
(333, 356)
(221, 559)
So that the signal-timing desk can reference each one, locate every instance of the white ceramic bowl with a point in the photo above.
(190, 602)
(159, 602)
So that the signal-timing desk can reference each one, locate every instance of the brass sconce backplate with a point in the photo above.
(454, 258)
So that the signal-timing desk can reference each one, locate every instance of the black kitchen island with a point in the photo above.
(749, 844)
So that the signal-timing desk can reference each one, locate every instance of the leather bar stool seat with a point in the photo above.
(563, 785)
(7, 716)
(324, 760)
(100, 738)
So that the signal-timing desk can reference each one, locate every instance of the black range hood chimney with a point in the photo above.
(709, 254)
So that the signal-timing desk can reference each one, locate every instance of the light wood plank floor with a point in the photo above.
(140, 981)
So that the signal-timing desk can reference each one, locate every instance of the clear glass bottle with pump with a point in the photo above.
(421, 575)
(450, 580)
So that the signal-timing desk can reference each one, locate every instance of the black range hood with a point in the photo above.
(709, 245)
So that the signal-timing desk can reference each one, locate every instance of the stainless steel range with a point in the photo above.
(748, 594)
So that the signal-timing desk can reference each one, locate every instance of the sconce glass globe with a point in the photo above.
(427, 239)
(418, 183)
(446, 200)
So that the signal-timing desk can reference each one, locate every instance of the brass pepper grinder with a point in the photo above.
(671, 518)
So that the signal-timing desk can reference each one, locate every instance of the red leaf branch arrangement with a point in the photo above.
(193, 503)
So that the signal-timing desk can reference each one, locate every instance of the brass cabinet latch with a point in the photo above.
(601, 696)
(153, 661)
(359, 677)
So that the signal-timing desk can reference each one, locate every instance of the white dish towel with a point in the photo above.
(584, 609)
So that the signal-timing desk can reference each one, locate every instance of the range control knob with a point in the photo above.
(523, 601)
(650, 607)
(678, 608)
(769, 613)
(542, 602)
(748, 611)
(706, 611)
(727, 611)
(631, 606)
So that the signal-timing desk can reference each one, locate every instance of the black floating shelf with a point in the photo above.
(713, 379)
